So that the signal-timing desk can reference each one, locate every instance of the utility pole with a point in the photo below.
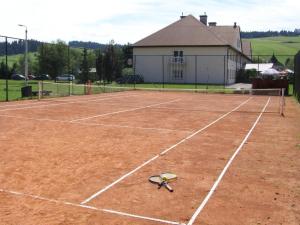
(26, 54)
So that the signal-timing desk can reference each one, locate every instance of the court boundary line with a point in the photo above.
(96, 124)
(216, 183)
(125, 110)
(65, 103)
(160, 154)
(91, 207)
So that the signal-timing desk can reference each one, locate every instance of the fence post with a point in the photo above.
(297, 76)
(163, 71)
(6, 70)
(196, 72)
(257, 66)
(40, 91)
(224, 71)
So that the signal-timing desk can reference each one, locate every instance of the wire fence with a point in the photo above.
(142, 71)
(297, 77)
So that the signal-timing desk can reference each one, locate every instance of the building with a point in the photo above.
(190, 51)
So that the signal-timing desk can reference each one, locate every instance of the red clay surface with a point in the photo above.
(45, 153)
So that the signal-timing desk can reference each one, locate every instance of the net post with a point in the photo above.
(282, 102)
(40, 91)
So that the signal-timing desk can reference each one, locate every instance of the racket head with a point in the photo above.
(168, 176)
(156, 179)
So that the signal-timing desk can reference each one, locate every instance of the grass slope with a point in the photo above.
(285, 46)
(11, 59)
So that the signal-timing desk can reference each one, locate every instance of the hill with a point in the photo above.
(283, 47)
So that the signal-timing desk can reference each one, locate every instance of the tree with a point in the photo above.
(84, 75)
(99, 65)
(108, 62)
(2, 70)
(127, 51)
(275, 61)
(53, 58)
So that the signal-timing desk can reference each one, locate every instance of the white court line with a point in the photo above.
(126, 110)
(91, 207)
(214, 187)
(23, 104)
(72, 100)
(95, 124)
(65, 103)
(157, 156)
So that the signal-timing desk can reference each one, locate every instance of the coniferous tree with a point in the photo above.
(99, 65)
(84, 75)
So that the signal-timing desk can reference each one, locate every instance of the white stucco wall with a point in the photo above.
(200, 64)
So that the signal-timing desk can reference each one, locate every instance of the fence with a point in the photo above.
(163, 71)
(45, 62)
(297, 77)
(206, 71)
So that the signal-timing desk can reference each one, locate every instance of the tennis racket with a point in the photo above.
(163, 180)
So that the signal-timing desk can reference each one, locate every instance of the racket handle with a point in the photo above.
(168, 187)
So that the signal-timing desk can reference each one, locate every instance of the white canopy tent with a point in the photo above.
(258, 66)
(270, 72)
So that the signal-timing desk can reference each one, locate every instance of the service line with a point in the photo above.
(159, 155)
(215, 185)
(126, 110)
(95, 124)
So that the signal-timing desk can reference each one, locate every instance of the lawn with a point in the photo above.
(287, 47)
(11, 59)
(64, 89)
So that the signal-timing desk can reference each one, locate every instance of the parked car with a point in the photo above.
(130, 79)
(65, 77)
(31, 77)
(42, 77)
(18, 77)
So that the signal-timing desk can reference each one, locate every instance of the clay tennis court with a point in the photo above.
(87, 159)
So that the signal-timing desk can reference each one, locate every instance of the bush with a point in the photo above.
(245, 76)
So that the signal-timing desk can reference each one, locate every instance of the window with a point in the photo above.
(177, 74)
(178, 56)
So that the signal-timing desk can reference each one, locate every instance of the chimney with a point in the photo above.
(182, 16)
(212, 24)
(234, 25)
(203, 19)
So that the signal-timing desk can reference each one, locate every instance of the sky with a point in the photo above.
(128, 21)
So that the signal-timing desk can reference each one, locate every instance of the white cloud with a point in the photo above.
(131, 20)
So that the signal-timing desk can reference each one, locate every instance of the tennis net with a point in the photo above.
(51, 89)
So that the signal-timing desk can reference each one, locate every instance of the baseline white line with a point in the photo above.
(142, 217)
(91, 207)
(215, 185)
(95, 124)
(126, 110)
(65, 103)
(156, 156)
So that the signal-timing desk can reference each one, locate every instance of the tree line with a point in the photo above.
(17, 46)
(104, 64)
(260, 34)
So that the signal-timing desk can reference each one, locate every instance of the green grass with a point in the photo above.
(288, 46)
(14, 89)
(64, 89)
(11, 59)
